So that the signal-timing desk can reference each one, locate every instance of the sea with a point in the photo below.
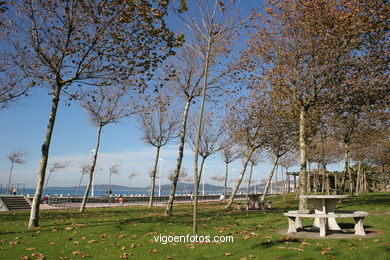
(73, 192)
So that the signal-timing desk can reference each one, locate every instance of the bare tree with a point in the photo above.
(183, 176)
(213, 33)
(209, 143)
(53, 169)
(131, 176)
(159, 123)
(15, 158)
(229, 153)
(246, 126)
(114, 169)
(85, 169)
(254, 160)
(64, 45)
(106, 105)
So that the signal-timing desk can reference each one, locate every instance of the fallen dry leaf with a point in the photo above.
(92, 241)
(38, 256)
(12, 243)
(82, 254)
(24, 257)
(125, 255)
(246, 237)
(153, 251)
(297, 249)
(229, 254)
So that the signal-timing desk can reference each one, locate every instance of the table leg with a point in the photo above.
(359, 228)
(330, 206)
(327, 206)
(292, 225)
(323, 227)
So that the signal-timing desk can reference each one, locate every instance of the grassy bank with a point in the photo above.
(128, 232)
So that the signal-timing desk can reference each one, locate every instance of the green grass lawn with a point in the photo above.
(128, 232)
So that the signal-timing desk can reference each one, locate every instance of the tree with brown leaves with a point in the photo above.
(60, 44)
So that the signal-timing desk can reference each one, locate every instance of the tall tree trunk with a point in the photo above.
(34, 214)
(348, 168)
(323, 180)
(248, 188)
(230, 202)
(316, 178)
(172, 191)
(199, 132)
(358, 177)
(226, 178)
(78, 188)
(269, 179)
(309, 177)
(303, 158)
(9, 178)
(151, 194)
(276, 180)
(92, 171)
(47, 181)
(288, 181)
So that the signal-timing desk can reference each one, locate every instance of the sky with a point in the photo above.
(23, 126)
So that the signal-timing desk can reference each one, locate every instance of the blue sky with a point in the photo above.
(23, 127)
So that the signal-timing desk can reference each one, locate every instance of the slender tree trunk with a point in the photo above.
(9, 178)
(151, 194)
(269, 179)
(288, 181)
(323, 180)
(248, 188)
(168, 210)
(92, 171)
(348, 168)
(226, 178)
(309, 177)
(276, 180)
(78, 188)
(358, 177)
(199, 132)
(230, 202)
(34, 214)
(303, 158)
(47, 181)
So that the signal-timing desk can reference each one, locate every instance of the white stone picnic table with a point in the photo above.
(325, 204)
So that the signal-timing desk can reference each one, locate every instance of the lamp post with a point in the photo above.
(204, 176)
(159, 179)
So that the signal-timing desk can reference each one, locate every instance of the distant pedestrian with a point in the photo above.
(45, 199)
(192, 196)
(121, 200)
(14, 191)
(222, 197)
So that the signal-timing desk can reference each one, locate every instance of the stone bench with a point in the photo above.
(254, 205)
(294, 220)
